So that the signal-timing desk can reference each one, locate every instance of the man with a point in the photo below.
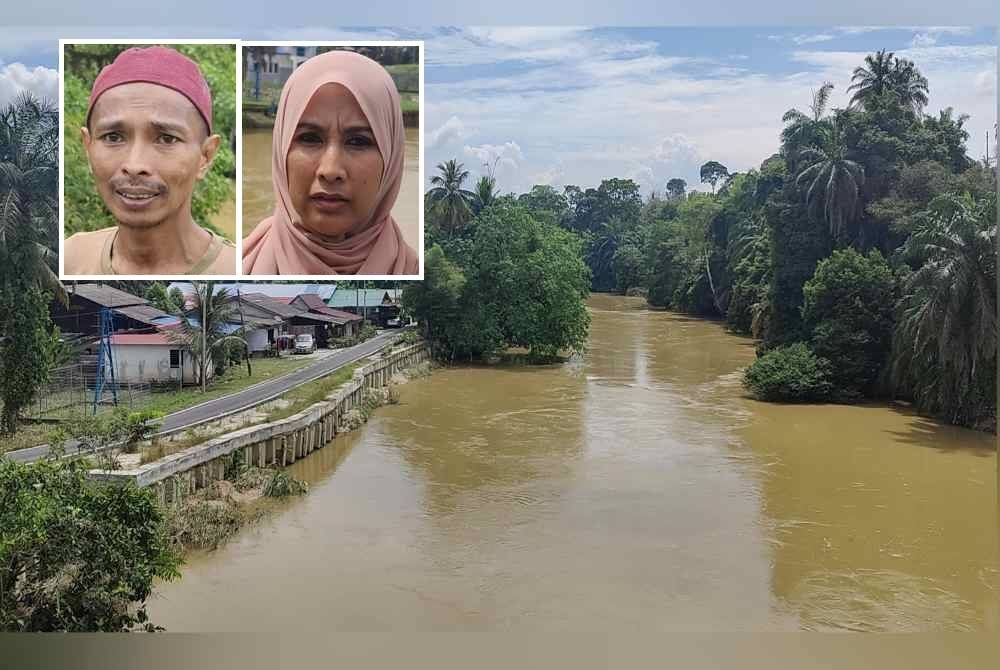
(149, 140)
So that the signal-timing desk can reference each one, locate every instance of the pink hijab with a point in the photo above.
(280, 244)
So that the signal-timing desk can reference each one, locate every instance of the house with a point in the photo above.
(278, 63)
(345, 324)
(83, 314)
(295, 320)
(377, 305)
(153, 358)
(283, 292)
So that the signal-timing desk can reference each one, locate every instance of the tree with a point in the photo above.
(676, 188)
(805, 130)
(485, 194)
(158, 297)
(28, 346)
(833, 181)
(452, 202)
(884, 75)
(711, 172)
(203, 328)
(77, 556)
(29, 191)
(848, 309)
(945, 345)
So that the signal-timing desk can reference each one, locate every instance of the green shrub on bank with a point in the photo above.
(75, 556)
(789, 374)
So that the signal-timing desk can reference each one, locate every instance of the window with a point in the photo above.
(175, 358)
(300, 51)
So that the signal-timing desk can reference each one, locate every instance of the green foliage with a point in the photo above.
(945, 347)
(158, 297)
(848, 309)
(28, 346)
(282, 485)
(789, 374)
(521, 283)
(84, 209)
(76, 556)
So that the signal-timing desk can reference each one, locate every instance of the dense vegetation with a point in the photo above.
(867, 242)
(75, 556)
(84, 208)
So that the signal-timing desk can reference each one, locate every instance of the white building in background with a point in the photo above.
(151, 357)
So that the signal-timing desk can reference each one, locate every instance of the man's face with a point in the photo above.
(148, 146)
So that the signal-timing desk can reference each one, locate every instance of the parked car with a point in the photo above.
(394, 323)
(304, 344)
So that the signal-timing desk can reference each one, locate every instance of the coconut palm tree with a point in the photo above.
(29, 178)
(887, 75)
(833, 181)
(946, 336)
(485, 193)
(452, 201)
(204, 327)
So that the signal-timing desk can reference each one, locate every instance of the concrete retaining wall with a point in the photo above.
(278, 443)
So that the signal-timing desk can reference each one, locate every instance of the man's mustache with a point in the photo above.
(138, 185)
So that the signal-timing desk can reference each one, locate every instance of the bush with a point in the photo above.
(75, 556)
(281, 485)
(789, 374)
(848, 313)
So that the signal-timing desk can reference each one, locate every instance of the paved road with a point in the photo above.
(245, 399)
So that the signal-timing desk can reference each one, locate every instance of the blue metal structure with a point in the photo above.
(105, 359)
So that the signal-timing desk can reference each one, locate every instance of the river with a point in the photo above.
(258, 195)
(633, 488)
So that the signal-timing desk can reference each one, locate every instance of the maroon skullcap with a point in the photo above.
(156, 65)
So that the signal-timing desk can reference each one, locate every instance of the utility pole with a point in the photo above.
(204, 335)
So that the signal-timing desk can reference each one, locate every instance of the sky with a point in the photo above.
(574, 105)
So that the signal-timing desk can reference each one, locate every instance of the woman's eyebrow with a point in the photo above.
(359, 128)
(309, 125)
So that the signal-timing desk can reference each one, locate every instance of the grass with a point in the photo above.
(316, 391)
(235, 380)
(161, 448)
(27, 435)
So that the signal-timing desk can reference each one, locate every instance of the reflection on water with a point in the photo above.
(258, 195)
(633, 488)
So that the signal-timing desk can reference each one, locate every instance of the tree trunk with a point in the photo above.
(711, 284)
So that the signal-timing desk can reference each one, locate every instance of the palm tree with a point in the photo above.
(887, 75)
(485, 193)
(448, 196)
(803, 129)
(29, 173)
(834, 182)
(946, 335)
(203, 328)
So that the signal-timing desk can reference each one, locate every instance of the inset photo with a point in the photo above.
(148, 159)
(332, 160)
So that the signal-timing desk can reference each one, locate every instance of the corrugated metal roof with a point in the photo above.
(104, 295)
(143, 314)
(272, 290)
(345, 296)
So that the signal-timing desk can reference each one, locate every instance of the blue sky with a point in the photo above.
(574, 105)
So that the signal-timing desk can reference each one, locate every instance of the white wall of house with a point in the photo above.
(150, 363)
(257, 339)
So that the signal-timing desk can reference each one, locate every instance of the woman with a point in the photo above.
(336, 169)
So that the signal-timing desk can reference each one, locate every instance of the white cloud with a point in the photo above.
(630, 108)
(449, 131)
(16, 78)
(923, 40)
(811, 39)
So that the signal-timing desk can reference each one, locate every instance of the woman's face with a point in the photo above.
(334, 164)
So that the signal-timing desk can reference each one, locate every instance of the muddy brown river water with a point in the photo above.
(633, 488)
